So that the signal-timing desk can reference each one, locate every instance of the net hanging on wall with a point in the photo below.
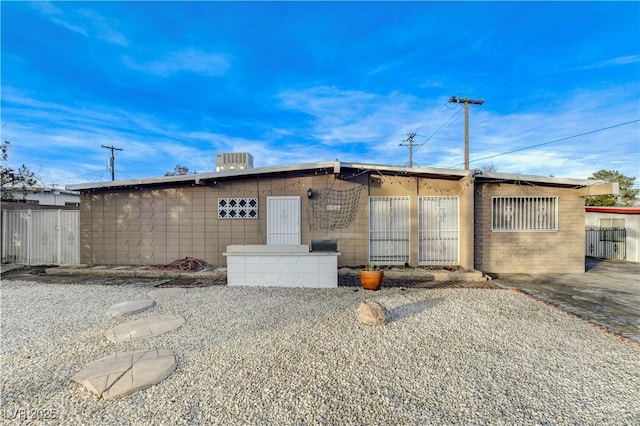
(331, 209)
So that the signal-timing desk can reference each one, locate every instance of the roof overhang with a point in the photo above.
(588, 186)
(348, 170)
(335, 167)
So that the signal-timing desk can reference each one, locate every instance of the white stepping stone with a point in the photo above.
(167, 292)
(130, 307)
(123, 373)
(144, 328)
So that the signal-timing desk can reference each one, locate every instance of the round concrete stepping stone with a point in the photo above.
(130, 307)
(123, 373)
(144, 328)
(167, 292)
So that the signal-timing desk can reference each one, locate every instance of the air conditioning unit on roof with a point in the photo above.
(233, 161)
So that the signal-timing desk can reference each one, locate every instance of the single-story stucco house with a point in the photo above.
(380, 214)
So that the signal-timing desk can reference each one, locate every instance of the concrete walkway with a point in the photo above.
(607, 294)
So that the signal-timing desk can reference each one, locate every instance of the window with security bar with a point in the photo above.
(389, 229)
(524, 214)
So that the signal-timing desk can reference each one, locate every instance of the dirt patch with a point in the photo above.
(409, 278)
(37, 274)
(194, 282)
(350, 280)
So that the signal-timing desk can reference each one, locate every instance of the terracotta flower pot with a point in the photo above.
(371, 280)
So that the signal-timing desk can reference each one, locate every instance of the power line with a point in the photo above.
(444, 125)
(554, 141)
(431, 116)
(438, 129)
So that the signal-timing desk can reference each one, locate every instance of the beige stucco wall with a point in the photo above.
(156, 226)
(524, 252)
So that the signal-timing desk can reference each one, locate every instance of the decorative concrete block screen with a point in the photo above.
(237, 208)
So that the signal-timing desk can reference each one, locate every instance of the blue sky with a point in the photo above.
(177, 82)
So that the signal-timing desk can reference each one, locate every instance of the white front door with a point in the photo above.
(283, 220)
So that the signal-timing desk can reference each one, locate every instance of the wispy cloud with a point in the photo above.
(349, 124)
(83, 21)
(349, 116)
(103, 28)
(56, 15)
(189, 60)
(621, 60)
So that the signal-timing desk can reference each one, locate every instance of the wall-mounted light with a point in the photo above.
(309, 193)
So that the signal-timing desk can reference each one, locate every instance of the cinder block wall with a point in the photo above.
(140, 226)
(530, 252)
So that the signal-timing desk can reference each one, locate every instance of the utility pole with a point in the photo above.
(410, 143)
(112, 160)
(466, 102)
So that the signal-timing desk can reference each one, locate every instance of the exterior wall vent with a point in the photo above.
(233, 161)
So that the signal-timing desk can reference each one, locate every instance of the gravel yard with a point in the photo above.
(299, 356)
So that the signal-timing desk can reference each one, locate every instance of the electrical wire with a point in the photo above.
(445, 123)
(430, 117)
(550, 142)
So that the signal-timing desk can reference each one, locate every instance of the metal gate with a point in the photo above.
(283, 220)
(389, 230)
(606, 243)
(438, 231)
(41, 237)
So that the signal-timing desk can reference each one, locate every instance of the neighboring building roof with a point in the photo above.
(619, 210)
(39, 190)
(340, 167)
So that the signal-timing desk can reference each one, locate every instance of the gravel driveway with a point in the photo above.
(299, 356)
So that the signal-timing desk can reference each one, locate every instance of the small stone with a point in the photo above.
(371, 313)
